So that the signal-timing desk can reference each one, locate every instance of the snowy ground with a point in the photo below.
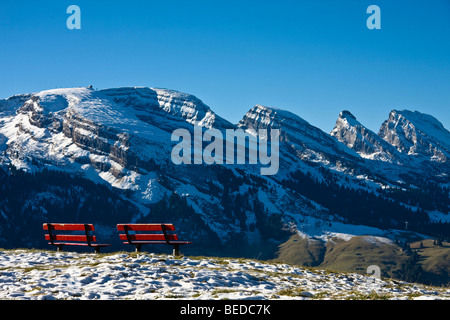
(32, 274)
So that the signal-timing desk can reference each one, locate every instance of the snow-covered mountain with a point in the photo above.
(416, 143)
(417, 134)
(301, 140)
(365, 142)
(121, 138)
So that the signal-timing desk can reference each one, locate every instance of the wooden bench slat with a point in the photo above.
(66, 237)
(68, 226)
(147, 227)
(148, 237)
(159, 242)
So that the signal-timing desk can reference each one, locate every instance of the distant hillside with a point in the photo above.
(435, 261)
(427, 263)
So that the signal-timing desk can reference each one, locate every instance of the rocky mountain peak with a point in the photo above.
(263, 117)
(347, 115)
(365, 142)
(346, 120)
(417, 134)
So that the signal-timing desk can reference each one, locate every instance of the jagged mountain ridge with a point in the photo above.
(365, 142)
(308, 142)
(404, 133)
(122, 138)
(413, 141)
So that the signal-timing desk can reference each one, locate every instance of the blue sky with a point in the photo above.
(314, 58)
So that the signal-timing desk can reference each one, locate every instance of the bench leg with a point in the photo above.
(138, 248)
(176, 250)
(97, 249)
(59, 248)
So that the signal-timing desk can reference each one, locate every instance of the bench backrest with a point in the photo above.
(153, 232)
(80, 232)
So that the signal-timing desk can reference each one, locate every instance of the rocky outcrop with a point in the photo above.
(167, 109)
(417, 134)
(365, 142)
(300, 139)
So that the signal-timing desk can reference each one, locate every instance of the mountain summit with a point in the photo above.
(365, 142)
(417, 134)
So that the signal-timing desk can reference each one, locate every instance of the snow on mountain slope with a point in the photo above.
(294, 130)
(130, 128)
(417, 134)
(365, 142)
(306, 148)
(300, 142)
(83, 130)
(166, 107)
(403, 148)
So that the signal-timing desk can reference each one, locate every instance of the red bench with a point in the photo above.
(155, 233)
(80, 235)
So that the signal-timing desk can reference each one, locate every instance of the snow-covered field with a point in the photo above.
(43, 275)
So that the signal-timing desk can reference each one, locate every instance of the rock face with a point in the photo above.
(130, 128)
(300, 139)
(365, 142)
(417, 134)
(164, 108)
(415, 143)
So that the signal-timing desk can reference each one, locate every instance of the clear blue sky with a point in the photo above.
(314, 58)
